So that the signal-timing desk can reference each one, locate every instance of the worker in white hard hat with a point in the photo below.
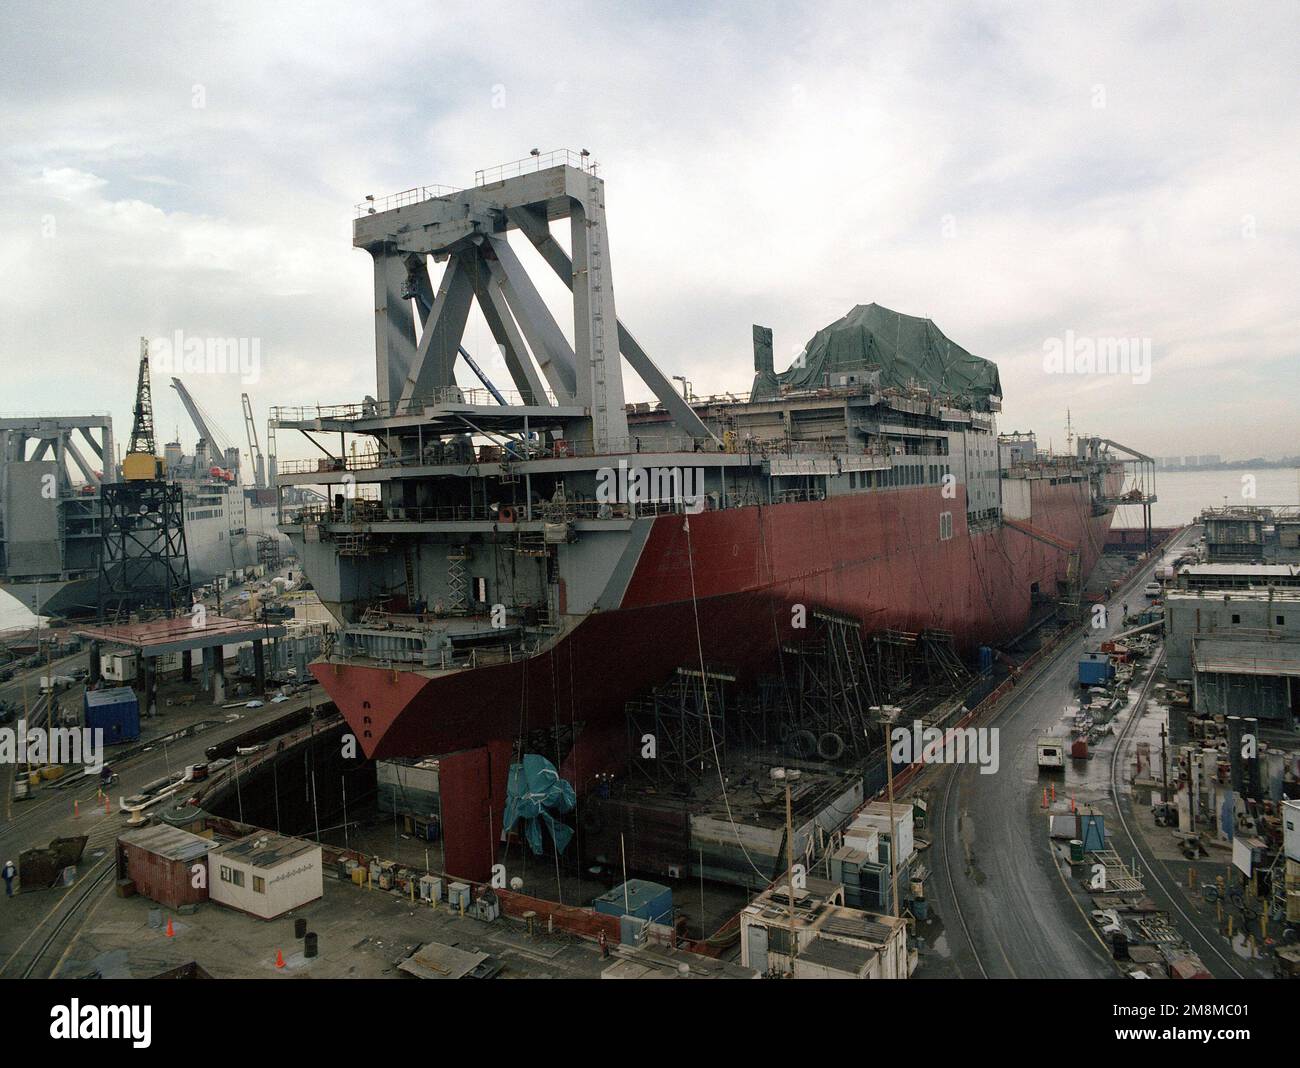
(9, 872)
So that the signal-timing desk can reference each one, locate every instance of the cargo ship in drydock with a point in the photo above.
(504, 560)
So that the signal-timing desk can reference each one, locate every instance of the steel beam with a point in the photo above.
(394, 324)
(545, 338)
(496, 310)
(538, 231)
(70, 447)
(433, 366)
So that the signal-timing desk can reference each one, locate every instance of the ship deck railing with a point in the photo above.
(415, 406)
(364, 512)
(536, 161)
(512, 451)
(1266, 513)
(407, 197)
(450, 660)
(521, 452)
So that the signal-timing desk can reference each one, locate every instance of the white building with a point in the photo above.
(832, 941)
(265, 874)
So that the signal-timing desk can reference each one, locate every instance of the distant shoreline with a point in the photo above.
(1229, 465)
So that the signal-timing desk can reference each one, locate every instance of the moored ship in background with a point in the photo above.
(51, 468)
(505, 561)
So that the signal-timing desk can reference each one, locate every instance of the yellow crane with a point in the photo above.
(142, 463)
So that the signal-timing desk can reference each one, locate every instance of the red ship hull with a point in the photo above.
(723, 585)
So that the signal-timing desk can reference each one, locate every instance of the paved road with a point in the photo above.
(991, 837)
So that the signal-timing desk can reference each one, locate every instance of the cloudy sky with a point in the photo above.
(1029, 176)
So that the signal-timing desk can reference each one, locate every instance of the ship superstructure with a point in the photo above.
(505, 560)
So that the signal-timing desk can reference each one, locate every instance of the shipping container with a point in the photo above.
(641, 898)
(117, 667)
(1095, 669)
(1291, 829)
(116, 712)
(166, 864)
(876, 815)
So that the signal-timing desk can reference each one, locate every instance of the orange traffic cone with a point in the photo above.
(171, 931)
(76, 811)
(279, 959)
(1053, 793)
(1072, 808)
(106, 805)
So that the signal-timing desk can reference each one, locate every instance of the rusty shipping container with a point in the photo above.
(166, 864)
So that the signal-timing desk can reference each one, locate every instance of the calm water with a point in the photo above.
(1182, 495)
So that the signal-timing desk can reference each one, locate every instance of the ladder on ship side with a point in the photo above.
(408, 560)
(595, 242)
(1071, 595)
(457, 581)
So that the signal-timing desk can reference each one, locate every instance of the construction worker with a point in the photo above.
(9, 872)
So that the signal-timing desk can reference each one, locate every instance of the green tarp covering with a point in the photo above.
(906, 350)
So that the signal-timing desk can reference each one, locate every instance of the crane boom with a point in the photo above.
(142, 439)
(196, 416)
(221, 448)
(141, 462)
(254, 450)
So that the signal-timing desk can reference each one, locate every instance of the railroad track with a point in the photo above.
(71, 907)
(941, 840)
(1191, 930)
(83, 789)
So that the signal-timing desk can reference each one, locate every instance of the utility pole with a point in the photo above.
(893, 831)
(1164, 764)
(789, 864)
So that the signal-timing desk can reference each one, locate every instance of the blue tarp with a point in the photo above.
(1226, 822)
(1092, 831)
(536, 794)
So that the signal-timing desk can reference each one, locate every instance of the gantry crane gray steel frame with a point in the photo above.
(49, 525)
(467, 229)
(55, 438)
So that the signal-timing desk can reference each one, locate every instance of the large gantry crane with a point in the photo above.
(143, 563)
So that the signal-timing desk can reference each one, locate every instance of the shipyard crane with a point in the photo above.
(195, 413)
(222, 449)
(143, 560)
(141, 462)
(1138, 465)
(270, 452)
(254, 449)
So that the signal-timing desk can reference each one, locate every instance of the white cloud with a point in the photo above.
(774, 167)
